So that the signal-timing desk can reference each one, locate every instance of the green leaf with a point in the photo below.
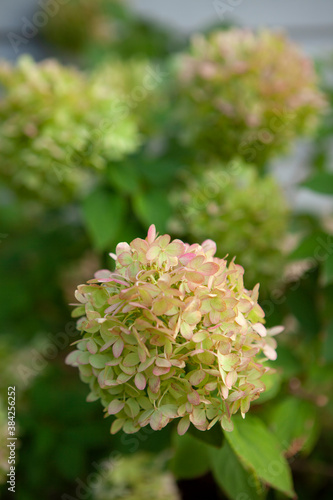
(191, 458)
(231, 476)
(321, 182)
(153, 207)
(309, 247)
(103, 214)
(124, 177)
(260, 452)
(294, 422)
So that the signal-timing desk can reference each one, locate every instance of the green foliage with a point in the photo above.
(104, 214)
(261, 452)
(233, 478)
(192, 458)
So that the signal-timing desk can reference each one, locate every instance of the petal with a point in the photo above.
(259, 328)
(140, 381)
(153, 252)
(175, 248)
(183, 425)
(151, 234)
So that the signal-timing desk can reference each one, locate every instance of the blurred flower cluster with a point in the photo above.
(171, 333)
(246, 94)
(78, 21)
(244, 213)
(137, 477)
(69, 124)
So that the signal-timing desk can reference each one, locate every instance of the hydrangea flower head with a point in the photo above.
(244, 212)
(68, 129)
(171, 334)
(245, 92)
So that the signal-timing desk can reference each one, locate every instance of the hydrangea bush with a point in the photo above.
(138, 477)
(246, 93)
(69, 126)
(244, 213)
(171, 334)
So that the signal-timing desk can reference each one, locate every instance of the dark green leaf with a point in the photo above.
(260, 451)
(153, 207)
(231, 476)
(311, 247)
(294, 423)
(321, 182)
(103, 214)
(192, 457)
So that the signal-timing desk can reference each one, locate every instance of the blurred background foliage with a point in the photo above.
(142, 128)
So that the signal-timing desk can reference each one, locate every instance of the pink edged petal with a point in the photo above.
(151, 234)
(193, 398)
(197, 262)
(115, 407)
(186, 258)
(117, 348)
(140, 381)
(122, 247)
(192, 318)
(163, 241)
(194, 277)
(117, 425)
(154, 384)
(103, 273)
(158, 371)
(156, 420)
(209, 247)
(198, 417)
(275, 330)
(113, 256)
(269, 352)
(231, 379)
(175, 248)
(183, 425)
(153, 252)
(125, 258)
(259, 328)
(209, 268)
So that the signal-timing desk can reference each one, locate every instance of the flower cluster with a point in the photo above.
(244, 213)
(171, 333)
(79, 21)
(138, 477)
(69, 125)
(246, 93)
